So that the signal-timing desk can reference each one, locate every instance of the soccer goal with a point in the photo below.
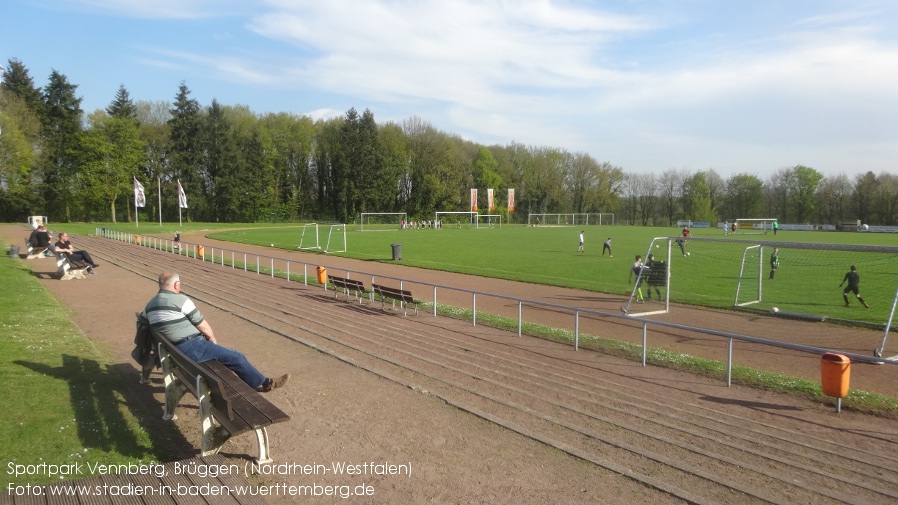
(382, 221)
(571, 219)
(750, 285)
(449, 219)
(754, 226)
(336, 239)
(489, 220)
(652, 281)
(308, 240)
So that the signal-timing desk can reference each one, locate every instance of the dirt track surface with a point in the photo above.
(483, 416)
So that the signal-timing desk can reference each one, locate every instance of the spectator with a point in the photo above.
(174, 315)
(64, 246)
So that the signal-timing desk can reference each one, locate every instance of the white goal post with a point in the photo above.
(753, 294)
(308, 240)
(382, 221)
(756, 225)
(491, 220)
(571, 219)
(336, 239)
(466, 218)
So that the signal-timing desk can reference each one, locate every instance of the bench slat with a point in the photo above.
(400, 295)
(234, 405)
(347, 285)
(248, 404)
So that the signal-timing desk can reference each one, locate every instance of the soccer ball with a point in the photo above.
(775, 310)
(688, 254)
(272, 245)
(657, 246)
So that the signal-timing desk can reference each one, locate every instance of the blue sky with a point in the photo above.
(747, 86)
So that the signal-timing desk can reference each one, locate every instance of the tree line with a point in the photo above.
(239, 166)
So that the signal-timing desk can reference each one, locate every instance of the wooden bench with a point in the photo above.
(227, 406)
(68, 269)
(347, 286)
(402, 296)
(34, 252)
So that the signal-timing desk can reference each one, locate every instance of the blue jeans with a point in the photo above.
(200, 350)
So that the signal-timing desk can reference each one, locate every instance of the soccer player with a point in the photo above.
(655, 271)
(580, 249)
(774, 261)
(854, 282)
(636, 270)
(681, 243)
(607, 247)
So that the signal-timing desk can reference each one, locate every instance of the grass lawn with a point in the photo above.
(65, 402)
(806, 282)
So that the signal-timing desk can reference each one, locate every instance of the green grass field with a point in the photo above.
(807, 281)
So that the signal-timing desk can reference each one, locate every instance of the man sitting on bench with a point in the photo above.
(40, 239)
(174, 316)
(64, 246)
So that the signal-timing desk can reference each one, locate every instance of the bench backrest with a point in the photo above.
(220, 400)
(346, 283)
(399, 294)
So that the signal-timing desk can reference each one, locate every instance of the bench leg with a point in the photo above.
(174, 388)
(264, 453)
(214, 436)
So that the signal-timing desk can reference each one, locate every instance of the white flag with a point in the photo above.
(140, 200)
(182, 197)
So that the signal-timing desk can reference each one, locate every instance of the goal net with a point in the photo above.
(383, 221)
(754, 226)
(336, 239)
(739, 274)
(308, 239)
(447, 219)
(489, 221)
(571, 219)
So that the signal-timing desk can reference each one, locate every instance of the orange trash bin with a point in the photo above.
(201, 251)
(322, 275)
(137, 239)
(835, 374)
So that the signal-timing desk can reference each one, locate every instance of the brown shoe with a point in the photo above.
(275, 383)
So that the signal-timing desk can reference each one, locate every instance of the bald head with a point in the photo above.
(167, 280)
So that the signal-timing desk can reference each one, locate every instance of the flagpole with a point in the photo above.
(159, 190)
(136, 215)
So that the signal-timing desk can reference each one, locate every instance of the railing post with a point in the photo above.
(730, 362)
(577, 330)
(519, 317)
(645, 340)
(434, 301)
(474, 308)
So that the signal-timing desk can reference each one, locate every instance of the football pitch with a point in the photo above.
(806, 281)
